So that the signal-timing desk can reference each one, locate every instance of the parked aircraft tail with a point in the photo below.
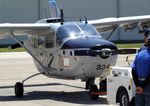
(54, 9)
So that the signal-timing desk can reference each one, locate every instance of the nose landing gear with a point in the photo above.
(89, 82)
(95, 92)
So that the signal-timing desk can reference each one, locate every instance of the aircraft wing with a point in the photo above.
(24, 29)
(129, 23)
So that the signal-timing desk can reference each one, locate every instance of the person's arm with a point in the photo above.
(135, 78)
(139, 89)
(147, 81)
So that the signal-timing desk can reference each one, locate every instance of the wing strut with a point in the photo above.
(17, 40)
(114, 29)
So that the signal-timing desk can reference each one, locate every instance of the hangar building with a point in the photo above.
(29, 11)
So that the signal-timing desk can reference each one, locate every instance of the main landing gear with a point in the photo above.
(95, 92)
(19, 88)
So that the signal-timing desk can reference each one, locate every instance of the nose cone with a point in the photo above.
(91, 42)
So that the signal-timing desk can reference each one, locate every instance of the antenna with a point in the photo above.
(86, 22)
(61, 16)
(45, 12)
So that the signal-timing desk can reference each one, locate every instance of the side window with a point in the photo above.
(49, 40)
(33, 41)
(58, 40)
(41, 42)
(37, 41)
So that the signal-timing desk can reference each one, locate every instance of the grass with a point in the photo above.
(11, 50)
(132, 45)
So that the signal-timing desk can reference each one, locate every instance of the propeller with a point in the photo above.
(105, 51)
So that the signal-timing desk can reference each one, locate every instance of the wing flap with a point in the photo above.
(145, 24)
(24, 29)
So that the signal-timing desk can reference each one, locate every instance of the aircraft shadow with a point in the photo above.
(37, 85)
(77, 97)
(80, 97)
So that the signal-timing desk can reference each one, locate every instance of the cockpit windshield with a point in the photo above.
(68, 31)
(88, 30)
(74, 31)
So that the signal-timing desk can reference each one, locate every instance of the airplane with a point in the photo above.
(71, 50)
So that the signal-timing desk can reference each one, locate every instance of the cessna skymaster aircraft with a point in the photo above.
(71, 50)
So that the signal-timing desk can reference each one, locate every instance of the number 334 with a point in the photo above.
(102, 66)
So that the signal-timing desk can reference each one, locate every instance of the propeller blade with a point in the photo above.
(125, 51)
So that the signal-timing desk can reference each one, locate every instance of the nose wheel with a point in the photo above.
(93, 91)
(89, 82)
(19, 90)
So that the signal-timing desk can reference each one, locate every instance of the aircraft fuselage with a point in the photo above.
(72, 51)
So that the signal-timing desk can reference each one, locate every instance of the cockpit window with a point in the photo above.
(88, 30)
(75, 30)
(68, 31)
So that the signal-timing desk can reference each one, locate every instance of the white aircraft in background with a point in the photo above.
(71, 50)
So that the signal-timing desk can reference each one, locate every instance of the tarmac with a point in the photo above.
(41, 90)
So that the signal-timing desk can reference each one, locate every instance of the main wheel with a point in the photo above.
(93, 88)
(123, 98)
(19, 89)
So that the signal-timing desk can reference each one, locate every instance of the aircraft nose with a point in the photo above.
(91, 43)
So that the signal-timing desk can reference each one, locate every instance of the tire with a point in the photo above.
(19, 89)
(123, 98)
(103, 86)
(93, 88)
